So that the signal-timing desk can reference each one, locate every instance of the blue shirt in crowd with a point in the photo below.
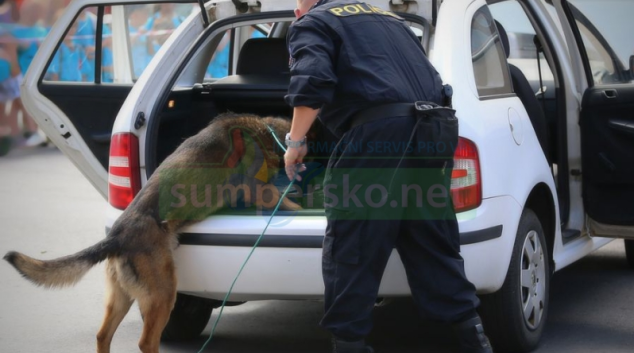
(67, 63)
(30, 38)
(85, 37)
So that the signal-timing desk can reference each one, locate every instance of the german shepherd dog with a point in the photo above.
(139, 247)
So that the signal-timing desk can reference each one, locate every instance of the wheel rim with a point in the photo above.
(533, 280)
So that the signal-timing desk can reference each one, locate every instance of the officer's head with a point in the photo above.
(303, 6)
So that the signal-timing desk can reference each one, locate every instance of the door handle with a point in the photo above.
(610, 93)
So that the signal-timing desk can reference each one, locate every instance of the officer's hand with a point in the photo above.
(293, 161)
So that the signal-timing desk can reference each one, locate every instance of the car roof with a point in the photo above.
(422, 8)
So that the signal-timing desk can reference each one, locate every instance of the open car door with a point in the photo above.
(87, 66)
(602, 33)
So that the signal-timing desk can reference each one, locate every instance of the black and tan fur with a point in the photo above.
(139, 247)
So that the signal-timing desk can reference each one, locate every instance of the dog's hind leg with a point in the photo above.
(118, 304)
(156, 309)
(157, 303)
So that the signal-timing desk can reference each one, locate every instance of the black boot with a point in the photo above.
(340, 346)
(471, 336)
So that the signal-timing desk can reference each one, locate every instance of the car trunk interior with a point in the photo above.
(258, 87)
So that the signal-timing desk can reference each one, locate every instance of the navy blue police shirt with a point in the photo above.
(347, 56)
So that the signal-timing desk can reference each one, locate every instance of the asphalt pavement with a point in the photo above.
(48, 209)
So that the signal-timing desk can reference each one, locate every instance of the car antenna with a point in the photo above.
(203, 12)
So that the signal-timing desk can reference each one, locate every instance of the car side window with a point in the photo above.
(220, 63)
(523, 52)
(605, 30)
(129, 37)
(488, 57)
(74, 60)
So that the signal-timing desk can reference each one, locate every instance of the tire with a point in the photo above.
(509, 327)
(188, 318)
(629, 252)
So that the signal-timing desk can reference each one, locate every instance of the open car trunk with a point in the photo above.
(257, 88)
(263, 97)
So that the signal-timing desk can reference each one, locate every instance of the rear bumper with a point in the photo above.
(287, 265)
(306, 242)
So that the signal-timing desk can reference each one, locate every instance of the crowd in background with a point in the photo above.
(148, 28)
(25, 23)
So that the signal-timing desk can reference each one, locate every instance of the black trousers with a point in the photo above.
(360, 240)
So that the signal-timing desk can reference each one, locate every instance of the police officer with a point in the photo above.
(361, 69)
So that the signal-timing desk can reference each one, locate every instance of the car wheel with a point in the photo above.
(629, 252)
(514, 316)
(188, 318)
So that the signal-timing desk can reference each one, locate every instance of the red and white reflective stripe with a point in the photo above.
(124, 178)
(464, 173)
(466, 184)
(123, 182)
(123, 162)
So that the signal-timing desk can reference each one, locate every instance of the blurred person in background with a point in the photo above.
(9, 70)
(51, 8)
(29, 33)
(160, 25)
(137, 20)
(9, 11)
(69, 58)
(86, 38)
(9, 90)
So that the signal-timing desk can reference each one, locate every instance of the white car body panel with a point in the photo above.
(209, 270)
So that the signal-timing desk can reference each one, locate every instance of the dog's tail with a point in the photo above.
(63, 271)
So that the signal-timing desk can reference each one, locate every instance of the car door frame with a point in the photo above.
(585, 84)
(51, 119)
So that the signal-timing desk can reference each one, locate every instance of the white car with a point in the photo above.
(543, 176)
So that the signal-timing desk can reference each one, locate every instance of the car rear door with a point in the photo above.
(602, 31)
(87, 66)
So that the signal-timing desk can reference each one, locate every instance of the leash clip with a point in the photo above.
(423, 105)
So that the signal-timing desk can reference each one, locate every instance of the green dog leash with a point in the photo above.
(257, 242)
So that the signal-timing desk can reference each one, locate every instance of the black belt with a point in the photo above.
(390, 110)
(381, 112)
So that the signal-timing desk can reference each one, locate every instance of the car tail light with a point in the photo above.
(466, 184)
(124, 178)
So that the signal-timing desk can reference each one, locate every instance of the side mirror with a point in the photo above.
(632, 67)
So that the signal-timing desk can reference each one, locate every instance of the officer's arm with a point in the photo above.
(313, 53)
(303, 118)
